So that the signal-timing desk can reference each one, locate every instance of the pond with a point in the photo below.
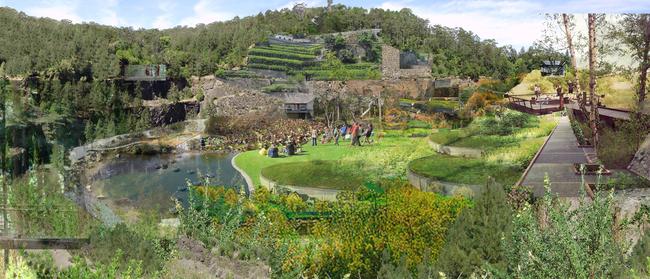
(152, 182)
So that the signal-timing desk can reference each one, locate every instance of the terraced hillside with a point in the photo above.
(309, 61)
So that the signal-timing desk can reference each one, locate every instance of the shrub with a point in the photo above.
(616, 148)
(474, 239)
(622, 180)
(412, 225)
(293, 202)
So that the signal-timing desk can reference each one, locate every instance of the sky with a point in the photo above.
(510, 22)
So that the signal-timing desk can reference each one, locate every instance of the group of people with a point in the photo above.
(559, 93)
(354, 133)
(251, 133)
(558, 89)
(292, 142)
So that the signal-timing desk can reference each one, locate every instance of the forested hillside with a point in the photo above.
(43, 45)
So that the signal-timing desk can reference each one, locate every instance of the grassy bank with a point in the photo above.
(464, 170)
(317, 174)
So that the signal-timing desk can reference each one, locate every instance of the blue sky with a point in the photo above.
(514, 22)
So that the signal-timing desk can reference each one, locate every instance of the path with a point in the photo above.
(556, 159)
(609, 112)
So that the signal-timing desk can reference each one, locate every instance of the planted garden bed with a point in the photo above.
(591, 169)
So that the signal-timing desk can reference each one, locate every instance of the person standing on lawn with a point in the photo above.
(354, 132)
(314, 137)
(337, 135)
(368, 133)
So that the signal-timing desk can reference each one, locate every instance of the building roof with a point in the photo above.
(552, 63)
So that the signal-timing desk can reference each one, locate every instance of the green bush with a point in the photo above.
(135, 244)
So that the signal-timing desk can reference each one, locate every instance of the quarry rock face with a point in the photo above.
(641, 162)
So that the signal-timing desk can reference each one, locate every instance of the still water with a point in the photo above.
(152, 182)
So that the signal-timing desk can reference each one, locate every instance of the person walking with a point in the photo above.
(337, 135)
(368, 133)
(538, 91)
(314, 137)
(354, 132)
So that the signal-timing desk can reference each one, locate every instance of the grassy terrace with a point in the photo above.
(295, 59)
(434, 105)
(465, 170)
(388, 158)
(476, 136)
(506, 158)
(318, 174)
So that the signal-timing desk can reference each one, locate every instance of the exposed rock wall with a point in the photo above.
(172, 113)
(407, 88)
(234, 97)
(641, 162)
(390, 66)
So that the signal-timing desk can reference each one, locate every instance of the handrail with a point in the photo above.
(43, 243)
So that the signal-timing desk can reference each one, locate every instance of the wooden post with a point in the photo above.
(43, 243)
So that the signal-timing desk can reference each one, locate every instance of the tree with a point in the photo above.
(474, 240)
(593, 99)
(565, 243)
(634, 33)
(567, 22)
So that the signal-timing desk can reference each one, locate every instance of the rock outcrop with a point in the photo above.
(641, 162)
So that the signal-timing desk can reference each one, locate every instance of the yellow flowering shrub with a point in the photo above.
(411, 224)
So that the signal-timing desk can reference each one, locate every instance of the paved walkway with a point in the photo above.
(556, 159)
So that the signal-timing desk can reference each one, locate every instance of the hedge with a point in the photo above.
(267, 67)
(275, 61)
(280, 54)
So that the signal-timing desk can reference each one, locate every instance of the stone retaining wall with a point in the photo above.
(249, 182)
(317, 193)
(427, 184)
(456, 151)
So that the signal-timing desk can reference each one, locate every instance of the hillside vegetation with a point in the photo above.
(43, 45)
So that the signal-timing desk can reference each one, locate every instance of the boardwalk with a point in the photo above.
(602, 111)
(556, 159)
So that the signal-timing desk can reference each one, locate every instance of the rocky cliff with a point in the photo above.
(641, 162)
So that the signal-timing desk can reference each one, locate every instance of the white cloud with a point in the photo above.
(56, 10)
(207, 11)
(514, 23)
(164, 19)
(601, 6)
(108, 13)
(308, 3)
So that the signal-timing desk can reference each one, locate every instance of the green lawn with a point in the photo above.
(387, 158)
(472, 137)
(345, 175)
(464, 170)
(346, 167)
(442, 104)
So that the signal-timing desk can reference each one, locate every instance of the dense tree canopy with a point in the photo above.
(40, 45)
